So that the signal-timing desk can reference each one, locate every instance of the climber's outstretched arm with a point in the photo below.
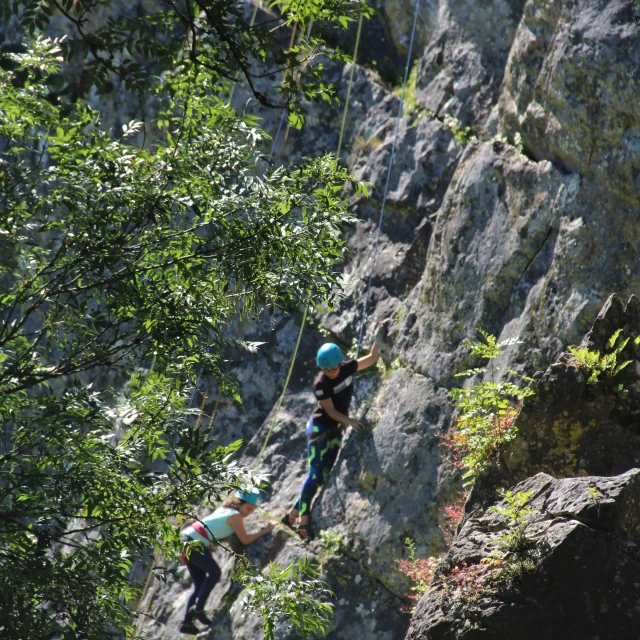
(369, 360)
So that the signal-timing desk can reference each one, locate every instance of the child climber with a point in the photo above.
(205, 572)
(333, 388)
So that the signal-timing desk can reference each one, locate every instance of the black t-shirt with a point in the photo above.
(340, 390)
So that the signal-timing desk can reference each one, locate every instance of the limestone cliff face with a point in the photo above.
(522, 240)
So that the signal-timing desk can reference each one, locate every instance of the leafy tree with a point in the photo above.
(216, 36)
(113, 257)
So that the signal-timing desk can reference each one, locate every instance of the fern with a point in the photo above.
(597, 364)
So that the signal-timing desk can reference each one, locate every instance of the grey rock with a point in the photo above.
(462, 67)
(583, 539)
(571, 427)
(569, 90)
(520, 244)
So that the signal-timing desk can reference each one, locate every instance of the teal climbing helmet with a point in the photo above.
(329, 356)
(251, 497)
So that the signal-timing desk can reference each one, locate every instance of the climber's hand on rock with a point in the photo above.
(356, 424)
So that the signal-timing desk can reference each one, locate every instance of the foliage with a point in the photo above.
(387, 370)
(452, 514)
(487, 410)
(331, 541)
(597, 364)
(461, 134)
(419, 570)
(293, 594)
(82, 501)
(470, 582)
(410, 106)
(595, 493)
(518, 143)
(216, 36)
(517, 514)
(115, 256)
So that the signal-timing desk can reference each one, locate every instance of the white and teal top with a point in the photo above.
(213, 526)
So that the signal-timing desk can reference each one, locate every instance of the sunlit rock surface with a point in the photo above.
(522, 226)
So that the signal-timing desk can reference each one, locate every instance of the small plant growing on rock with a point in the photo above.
(331, 541)
(487, 410)
(461, 134)
(518, 143)
(596, 495)
(419, 570)
(596, 364)
(387, 370)
(410, 106)
(452, 514)
(469, 582)
(517, 513)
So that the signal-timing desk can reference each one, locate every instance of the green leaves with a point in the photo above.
(486, 411)
(293, 594)
(597, 364)
(517, 515)
(113, 256)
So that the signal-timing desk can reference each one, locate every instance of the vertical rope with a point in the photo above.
(284, 111)
(286, 385)
(348, 98)
(304, 316)
(253, 19)
(386, 186)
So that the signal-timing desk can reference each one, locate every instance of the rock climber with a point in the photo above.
(333, 388)
(204, 570)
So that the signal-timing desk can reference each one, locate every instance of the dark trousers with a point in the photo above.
(205, 574)
(322, 457)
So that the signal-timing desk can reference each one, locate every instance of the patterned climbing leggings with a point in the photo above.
(322, 457)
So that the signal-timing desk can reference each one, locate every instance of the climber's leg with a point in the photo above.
(325, 455)
(310, 485)
(330, 457)
(205, 573)
(312, 432)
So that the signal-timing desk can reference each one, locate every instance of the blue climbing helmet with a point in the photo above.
(329, 356)
(251, 496)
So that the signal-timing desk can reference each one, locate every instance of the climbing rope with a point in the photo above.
(348, 98)
(386, 186)
(286, 385)
(384, 200)
(306, 308)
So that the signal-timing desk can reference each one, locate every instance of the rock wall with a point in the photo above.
(524, 230)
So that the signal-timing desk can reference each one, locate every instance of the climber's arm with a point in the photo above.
(332, 412)
(369, 360)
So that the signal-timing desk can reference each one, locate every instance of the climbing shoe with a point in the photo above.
(305, 532)
(201, 616)
(288, 520)
(189, 627)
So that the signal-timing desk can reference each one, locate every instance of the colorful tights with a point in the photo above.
(322, 457)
